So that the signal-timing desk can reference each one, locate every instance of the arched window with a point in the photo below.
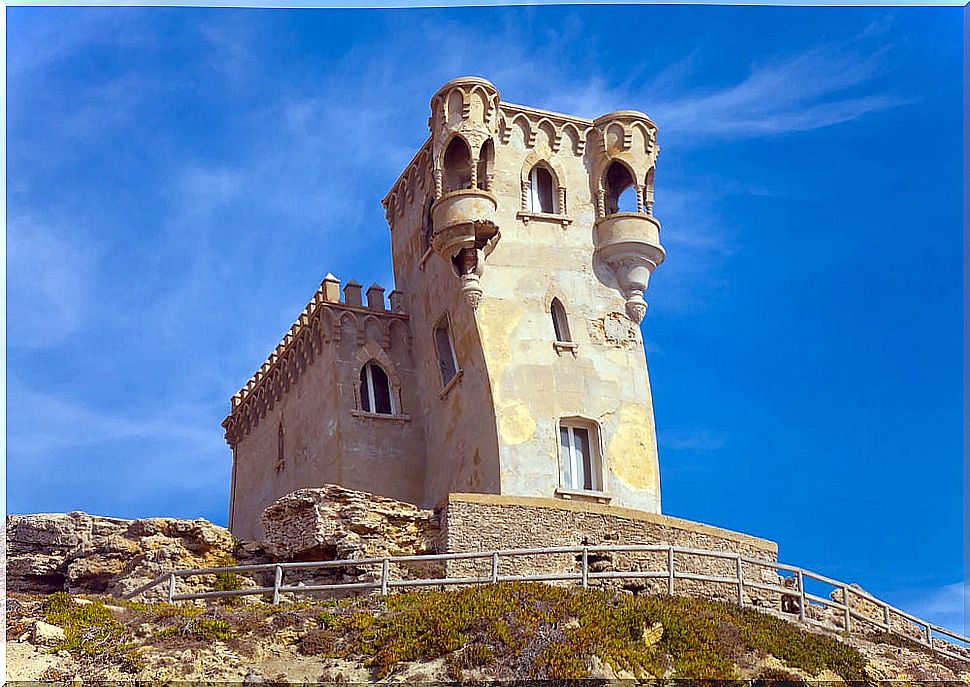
(458, 166)
(541, 191)
(559, 321)
(447, 362)
(621, 194)
(375, 390)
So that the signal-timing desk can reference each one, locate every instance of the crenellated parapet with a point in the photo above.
(325, 320)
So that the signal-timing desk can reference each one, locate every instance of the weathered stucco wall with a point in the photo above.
(462, 448)
(326, 438)
(497, 430)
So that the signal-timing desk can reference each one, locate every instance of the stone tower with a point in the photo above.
(510, 359)
(506, 229)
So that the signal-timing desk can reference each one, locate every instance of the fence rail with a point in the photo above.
(796, 596)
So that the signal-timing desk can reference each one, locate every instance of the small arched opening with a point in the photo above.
(620, 188)
(486, 164)
(560, 323)
(458, 166)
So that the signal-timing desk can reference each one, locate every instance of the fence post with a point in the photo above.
(585, 567)
(670, 570)
(845, 601)
(889, 620)
(384, 567)
(494, 567)
(171, 587)
(277, 583)
(801, 595)
(740, 582)
(929, 635)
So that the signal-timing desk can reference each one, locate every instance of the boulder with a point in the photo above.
(46, 634)
(332, 522)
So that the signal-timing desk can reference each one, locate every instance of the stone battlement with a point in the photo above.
(325, 318)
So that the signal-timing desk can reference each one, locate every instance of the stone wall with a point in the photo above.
(478, 522)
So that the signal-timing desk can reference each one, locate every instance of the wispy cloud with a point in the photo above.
(698, 440)
(48, 284)
(945, 606)
(820, 87)
(33, 412)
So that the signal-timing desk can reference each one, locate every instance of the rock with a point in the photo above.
(46, 634)
(653, 634)
(86, 554)
(337, 523)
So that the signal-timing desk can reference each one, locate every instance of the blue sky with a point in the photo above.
(179, 181)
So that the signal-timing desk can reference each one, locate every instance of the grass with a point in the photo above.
(544, 632)
(512, 630)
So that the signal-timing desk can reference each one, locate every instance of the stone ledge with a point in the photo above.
(614, 511)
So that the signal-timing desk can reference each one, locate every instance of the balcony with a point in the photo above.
(629, 243)
(463, 219)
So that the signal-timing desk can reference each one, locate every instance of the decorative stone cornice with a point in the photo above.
(323, 320)
(560, 128)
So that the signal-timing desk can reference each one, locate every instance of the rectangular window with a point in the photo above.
(579, 459)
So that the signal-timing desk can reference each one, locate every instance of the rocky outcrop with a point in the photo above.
(87, 554)
(337, 523)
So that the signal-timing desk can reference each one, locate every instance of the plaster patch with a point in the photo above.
(632, 453)
(515, 422)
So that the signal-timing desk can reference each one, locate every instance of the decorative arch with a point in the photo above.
(571, 133)
(376, 330)
(546, 126)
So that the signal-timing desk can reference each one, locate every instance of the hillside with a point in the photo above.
(500, 632)
(497, 632)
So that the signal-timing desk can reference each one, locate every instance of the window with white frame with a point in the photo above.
(375, 390)
(579, 456)
(447, 362)
(541, 190)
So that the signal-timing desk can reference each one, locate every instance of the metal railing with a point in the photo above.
(797, 598)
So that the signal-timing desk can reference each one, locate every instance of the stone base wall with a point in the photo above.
(481, 522)
(332, 523)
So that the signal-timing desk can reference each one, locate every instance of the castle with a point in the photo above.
(509, 358)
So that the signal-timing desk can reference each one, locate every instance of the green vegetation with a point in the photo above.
(90, 629)
(538, 631)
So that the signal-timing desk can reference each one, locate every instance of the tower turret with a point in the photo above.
(626, 239)
(464, 121)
